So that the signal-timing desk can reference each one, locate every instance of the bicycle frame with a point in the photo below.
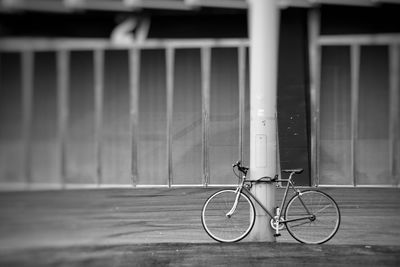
(309, 216)
(278, 216)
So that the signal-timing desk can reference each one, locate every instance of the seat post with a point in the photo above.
(291, 174)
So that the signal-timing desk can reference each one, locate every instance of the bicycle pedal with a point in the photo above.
(276, 235)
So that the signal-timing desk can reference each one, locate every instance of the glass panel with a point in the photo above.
(335, 117)
(45, 153)
(187, 118)
(224, 115)
(80, 148)
(372, 151)
(152, 143)
(11, 147)
(116, 153)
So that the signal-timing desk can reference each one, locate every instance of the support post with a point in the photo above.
(27, 62)
(355, 83)
(394, 127)
(98, 106)
(264, 33)
(170, 58)
(134, 80)
(205, 83)
(242, 95)
(63, 110)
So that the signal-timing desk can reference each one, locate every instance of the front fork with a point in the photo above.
(275, 222)
(237, 192)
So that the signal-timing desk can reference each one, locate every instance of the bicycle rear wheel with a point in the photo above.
(312, 217)
(225, 228)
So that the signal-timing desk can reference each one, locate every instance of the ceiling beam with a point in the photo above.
(158, 4)
(37, 5)
(129, 5)
(239, 4)
(105, 5)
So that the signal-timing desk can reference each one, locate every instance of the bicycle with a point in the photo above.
(310, 216)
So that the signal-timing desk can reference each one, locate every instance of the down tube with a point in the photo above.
(256, 200)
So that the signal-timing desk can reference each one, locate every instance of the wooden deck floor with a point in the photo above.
(370, 216)
(32, 221)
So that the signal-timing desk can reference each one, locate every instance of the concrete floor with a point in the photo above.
(90, 227)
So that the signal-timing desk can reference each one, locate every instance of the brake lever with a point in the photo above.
(236, 164)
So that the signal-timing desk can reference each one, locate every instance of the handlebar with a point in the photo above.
(236, 164)
(241, 168)
(244, 170)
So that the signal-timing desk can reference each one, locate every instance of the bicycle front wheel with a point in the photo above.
(223, 227)
(312, 217)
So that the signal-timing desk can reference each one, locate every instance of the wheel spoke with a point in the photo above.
(225, 228)
(300, 224)
(322, 209)
(315, 229)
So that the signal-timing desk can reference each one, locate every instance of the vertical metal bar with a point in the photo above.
(397, 154)
(242, 96)
(355, 74)
(98, 106)
(134, 81)
(394, 73)
(63, 110)
(314, 52)
(170, 56)
(205, 76)
(27, 61)
(278, 155)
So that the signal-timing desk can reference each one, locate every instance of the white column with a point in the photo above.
(264, 33)
(314, 52)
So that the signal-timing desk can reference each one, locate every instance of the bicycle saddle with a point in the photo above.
(293, 170)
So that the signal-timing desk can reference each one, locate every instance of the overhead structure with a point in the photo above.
(131, 5)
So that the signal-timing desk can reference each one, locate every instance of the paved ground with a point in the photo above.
(147, 227)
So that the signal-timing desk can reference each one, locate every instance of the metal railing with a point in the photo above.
(27, 47)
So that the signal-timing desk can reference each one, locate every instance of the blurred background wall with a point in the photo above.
(373, 156)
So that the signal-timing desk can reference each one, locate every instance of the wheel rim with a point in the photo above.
(221, 227)
(323, 221)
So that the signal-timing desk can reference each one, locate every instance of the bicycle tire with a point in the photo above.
(221, 227)
(318, 229)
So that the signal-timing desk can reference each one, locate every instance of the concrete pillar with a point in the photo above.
(264, 33)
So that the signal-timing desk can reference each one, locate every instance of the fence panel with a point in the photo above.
(224, 115)
(187, 118)
(81, 160)
(152, 142)
(44, 156)
(11, 144)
